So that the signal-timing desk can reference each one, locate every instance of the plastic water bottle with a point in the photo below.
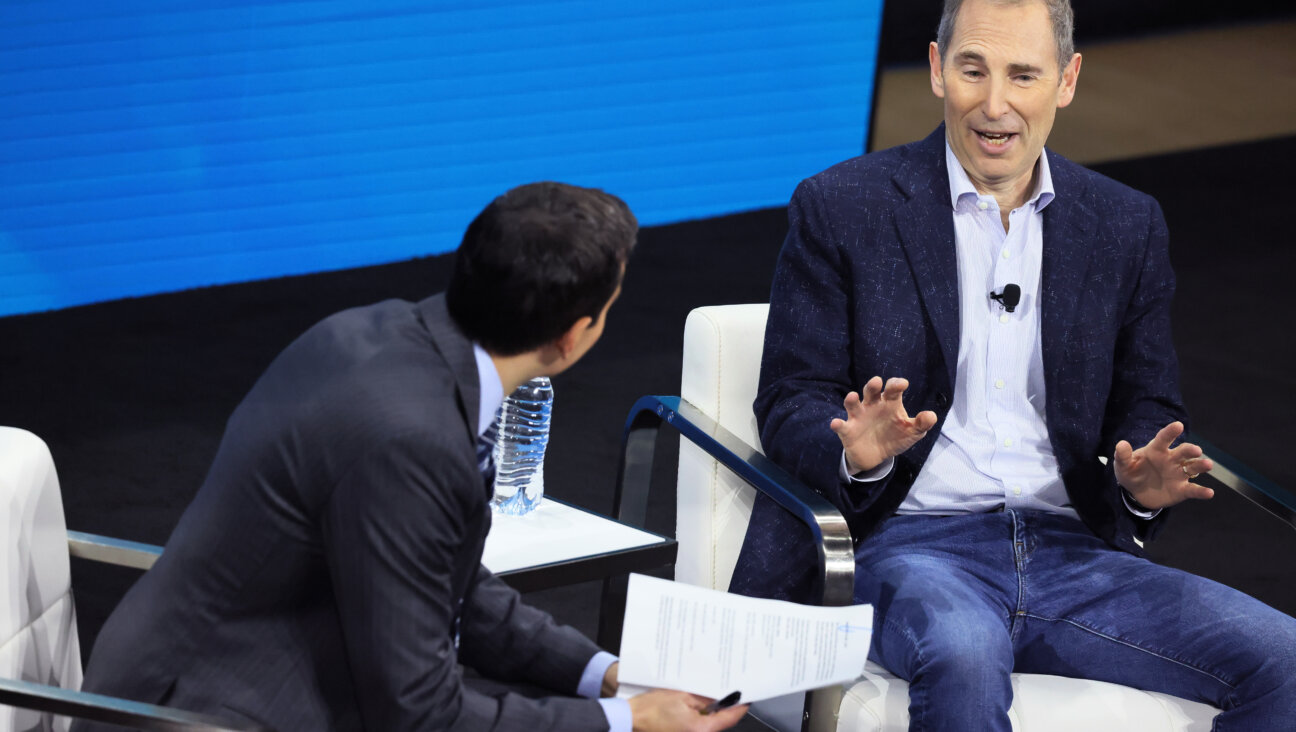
(520, 447)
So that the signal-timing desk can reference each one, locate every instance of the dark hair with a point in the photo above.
(536, 260)
(1060, 15)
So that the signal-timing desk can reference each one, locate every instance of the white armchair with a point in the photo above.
(40, 655)
(720, 469)
(38, 639)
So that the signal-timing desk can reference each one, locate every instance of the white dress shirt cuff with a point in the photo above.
(618, 714)
(868, 476)
(1140, 512)
(591, 681)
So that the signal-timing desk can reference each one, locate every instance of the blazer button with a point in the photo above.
(942, 401)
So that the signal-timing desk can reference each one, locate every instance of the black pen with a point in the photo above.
(724, 703)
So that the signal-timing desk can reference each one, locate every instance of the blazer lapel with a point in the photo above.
(925, 223)
(1068, 225)
(457, 351)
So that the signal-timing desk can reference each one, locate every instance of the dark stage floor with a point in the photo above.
(132, 395)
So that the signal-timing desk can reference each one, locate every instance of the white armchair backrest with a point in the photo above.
(722, 355)
(38, 639)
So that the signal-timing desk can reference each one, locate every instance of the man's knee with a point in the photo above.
(950, 642)
(965, 648)
(1276, 673)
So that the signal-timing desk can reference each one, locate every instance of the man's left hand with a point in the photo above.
(1157, 475)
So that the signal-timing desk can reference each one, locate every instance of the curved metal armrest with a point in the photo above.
(832, 537)
(1234, 474)
(836, 576)
(111, 710)
(112, 551)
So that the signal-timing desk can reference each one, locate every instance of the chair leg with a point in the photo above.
(612, 613)
(821, 709)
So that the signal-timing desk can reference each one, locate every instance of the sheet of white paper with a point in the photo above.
(679, 636)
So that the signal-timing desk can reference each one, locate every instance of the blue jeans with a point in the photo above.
(962, 601)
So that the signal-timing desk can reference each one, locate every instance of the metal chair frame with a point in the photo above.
(108, 709)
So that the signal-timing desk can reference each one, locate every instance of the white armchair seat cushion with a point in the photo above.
(879, 702)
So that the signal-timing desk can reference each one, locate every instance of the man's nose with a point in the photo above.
(995, 104)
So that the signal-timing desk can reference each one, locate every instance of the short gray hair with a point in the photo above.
(1060, 15)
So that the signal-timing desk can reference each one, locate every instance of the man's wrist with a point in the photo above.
(868, 476)
(619, 715)
(1129, 497)
(592, 680)
(1134, 506)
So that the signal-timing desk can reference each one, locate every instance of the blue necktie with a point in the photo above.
(486, 455)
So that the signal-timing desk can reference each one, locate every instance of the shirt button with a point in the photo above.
(1005, 254)
(1003, 318)
(982, 205)
(1016, 490)
(1008, 442)
(999, 383)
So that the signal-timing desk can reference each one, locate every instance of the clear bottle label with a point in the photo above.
(523, 435)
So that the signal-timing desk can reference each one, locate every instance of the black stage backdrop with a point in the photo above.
(132, 395)
(909, 25)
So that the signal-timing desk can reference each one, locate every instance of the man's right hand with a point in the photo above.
(877, 426)
(662, 710)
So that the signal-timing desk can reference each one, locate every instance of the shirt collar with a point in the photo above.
(961, 184)
(492, 390)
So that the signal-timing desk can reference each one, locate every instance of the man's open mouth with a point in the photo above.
(996, 138)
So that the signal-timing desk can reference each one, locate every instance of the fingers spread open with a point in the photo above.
(1185, 452)
(872, 390)
(895, 388)
(1167, 435)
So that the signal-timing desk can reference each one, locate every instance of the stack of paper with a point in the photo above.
(712, 643)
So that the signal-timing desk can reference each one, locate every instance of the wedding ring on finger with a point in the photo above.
(1184, 468)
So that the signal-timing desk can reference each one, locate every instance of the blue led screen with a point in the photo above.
(149, 145)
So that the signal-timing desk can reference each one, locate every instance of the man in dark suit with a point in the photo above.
(1020, 306)
(328, 574)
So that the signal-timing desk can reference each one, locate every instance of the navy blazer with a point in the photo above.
(321, 575)
(867, 285)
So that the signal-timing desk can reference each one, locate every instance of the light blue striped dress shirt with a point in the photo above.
(993, 449)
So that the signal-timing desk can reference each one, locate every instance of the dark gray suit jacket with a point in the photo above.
(867, 284)
(317, 579)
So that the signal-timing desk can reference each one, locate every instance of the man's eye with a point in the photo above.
(972, 73)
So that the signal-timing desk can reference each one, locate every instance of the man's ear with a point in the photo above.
(937, 77)
(1070, 75)
(568, 341)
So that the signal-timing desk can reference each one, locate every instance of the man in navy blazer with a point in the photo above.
(1018, 305)
(328, 574)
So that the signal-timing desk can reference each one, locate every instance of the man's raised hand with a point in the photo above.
(877, 426)
(1157, 475)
